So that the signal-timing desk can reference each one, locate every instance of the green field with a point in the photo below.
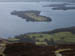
(47, 39)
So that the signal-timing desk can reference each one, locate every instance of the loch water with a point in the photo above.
(11, 25)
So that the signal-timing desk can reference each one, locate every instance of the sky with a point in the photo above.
(22, 0)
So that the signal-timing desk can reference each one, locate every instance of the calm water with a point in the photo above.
(11, 25)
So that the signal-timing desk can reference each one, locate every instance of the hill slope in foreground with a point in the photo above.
(61, 41)
(28, 49)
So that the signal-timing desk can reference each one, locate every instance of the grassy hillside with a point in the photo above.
(59, 36)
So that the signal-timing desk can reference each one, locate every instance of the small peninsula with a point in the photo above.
(31, 16)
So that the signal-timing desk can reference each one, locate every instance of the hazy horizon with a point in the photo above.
(37, 0)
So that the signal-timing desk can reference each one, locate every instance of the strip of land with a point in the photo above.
(58, 36)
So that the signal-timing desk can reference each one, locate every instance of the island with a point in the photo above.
(58, 5)
(63, 8)
(31, 16)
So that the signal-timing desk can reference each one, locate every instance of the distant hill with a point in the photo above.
(72, 1)
(68, 29)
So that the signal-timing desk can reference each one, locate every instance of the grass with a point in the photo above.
(2, 48)
(36, 17)
(42, 38)
(12, 39)
(67, 37)
(57, 52)
(61, 50)
(41, 43)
